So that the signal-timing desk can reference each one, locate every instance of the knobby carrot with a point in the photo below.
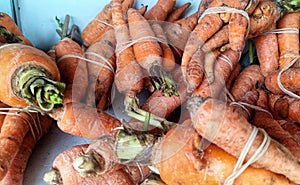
(160, 10)
(101, 71)
(31, 64)
(216, 121)
(181, 161)
(84, 121)
(273, 128)
(16, 171)
(73, 69)
(176, 13)
(15, 127)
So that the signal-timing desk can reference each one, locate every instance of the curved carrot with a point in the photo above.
(175, 14)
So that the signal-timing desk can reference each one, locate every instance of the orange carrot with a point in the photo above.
(181, 161)
(15, 127)
(160, 10)
(72, 68)
(292, 128)
(235, 73)
(13, 30)
(217, 40)
(230, 131)
(3, 110)
(273, 128)
(84, 121)
(63, 171)
(288, 42)
(237, 31)
(33, 65)
(267, 52)
(143, 9)
(175, 14)
(101, 71)
(16, 171)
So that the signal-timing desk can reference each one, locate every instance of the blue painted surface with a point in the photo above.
(6, 7)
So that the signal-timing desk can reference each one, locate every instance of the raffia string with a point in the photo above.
(102, 59)
(283, 30)
(226, 59)
(290, 64)
(105, 64)
(103, 22)
(224, 9)
(239, 166)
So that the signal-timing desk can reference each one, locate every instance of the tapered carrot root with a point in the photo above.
(224, 118)
(273, 128)
(160, 10)
(16, 171)
(237, 31)
(288, 45)
(176, 14)
(267, 52)
(72, 68)
(101, 71)
(12, 32)
(181, 147)
(84, 121)
(13, 131)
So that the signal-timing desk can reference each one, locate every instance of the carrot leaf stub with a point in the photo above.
(34, 84)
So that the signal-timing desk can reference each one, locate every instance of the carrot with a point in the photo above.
(16, 170)
(63, 171)
(32, 65)
(284, 107)
(168, 62)
(203, 5)
(288, 42)
(289, 79)
(11, 31)
(160, 10)
(224, 65)
(267, 52)
(273, 128)
(217, 40)
(3, 110)
(249, 79)
(101, 71)
(176, 13)
(237, 28)
(14, 128)
(143, 9)
(181, 147)
(148, 52)
(230, 131)
(292, 128)
(235, 73)
(84, 121)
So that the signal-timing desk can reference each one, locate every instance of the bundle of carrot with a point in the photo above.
(207, 117)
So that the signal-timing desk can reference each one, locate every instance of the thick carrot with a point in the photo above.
(273, 128)
(16, 171)
(101, 71)
(267, 52)
(203, 5)
(217, 122)
(249, 79)
(15, 127)
(129, 75)
(160, 10)
(237, 28)
(84, 121)
(30, 64)
(7, 22)
(73, 69)
(176, 14)
(289, 79)
(3, 110)
(180, 160)
(288, 42)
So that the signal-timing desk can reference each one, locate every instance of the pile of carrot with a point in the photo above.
(212, 95)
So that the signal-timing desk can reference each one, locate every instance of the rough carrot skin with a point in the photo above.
(267, 52)
(180, 147)
(273, 128)
(84, 121)
(216, 114)
(290, 80)
(292, 128)
(16, 171)
(235, 73)
(217, 40)
(248, 80)
(2, 116)
(129, 75)
(284, 107)
(160, 10)
(176, 14)
(237, 31)
(13, 131)
(147, 52)
(62, 164)
(222, 71)
(288, 42)
(101, 78)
